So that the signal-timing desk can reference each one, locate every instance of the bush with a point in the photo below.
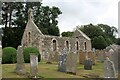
(9, 55)
(28, 51)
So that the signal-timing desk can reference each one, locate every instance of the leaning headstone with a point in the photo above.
(109, 69)
(88, 64)
(20, 67)
(33, 65)
(0, 61)
(62, 60)
(71, 63)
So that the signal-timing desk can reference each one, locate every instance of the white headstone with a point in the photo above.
(33, 65)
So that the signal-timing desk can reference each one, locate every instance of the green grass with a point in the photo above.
(50, 71)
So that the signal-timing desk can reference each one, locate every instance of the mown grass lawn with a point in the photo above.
(50, 71)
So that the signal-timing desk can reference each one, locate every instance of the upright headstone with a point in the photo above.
(33, 65)
(71, 63)
(62, 60)
(109, 69)
(88, 64)
(0, 61)
(20, 67)
(56, 57)
(101, 56)
(49, 58)
(114, 57)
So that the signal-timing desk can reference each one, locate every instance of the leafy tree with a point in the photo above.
(99, 42)
(67, 34)
(107, 32)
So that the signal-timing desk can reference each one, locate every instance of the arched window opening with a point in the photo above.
(67, 45)
(77, 45)
(54, 45)
(29, 37)
(85, 46)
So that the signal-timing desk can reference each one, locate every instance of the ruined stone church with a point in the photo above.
(33, 37)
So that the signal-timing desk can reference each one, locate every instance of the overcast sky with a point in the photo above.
(82, 12)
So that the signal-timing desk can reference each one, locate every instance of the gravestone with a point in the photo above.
(88, 64)
(49, 58)
(0, 61)
(56, 56)
(114, 57)
(33, 65)
(71, 63)
(119, 61)
(62, 60)
(20, 67)
(109, 69)
(81, 57)
(101, 56)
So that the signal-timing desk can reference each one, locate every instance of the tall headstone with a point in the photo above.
(20, 67)
(114, 57)
(109, 69)
(71, 63)
(62, 60)
(33, 65)
(0, 61)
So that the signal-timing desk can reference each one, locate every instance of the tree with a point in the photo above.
(99, 42)
(67, 34)
(108, 34)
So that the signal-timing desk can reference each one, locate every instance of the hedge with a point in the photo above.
(9, 55)
(28, 51)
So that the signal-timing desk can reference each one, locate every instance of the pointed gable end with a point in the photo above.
(79, 33)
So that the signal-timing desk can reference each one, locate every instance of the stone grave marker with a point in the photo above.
(49, 58)
(101, 56)
(88, 64)
(71, 63)
(20, 67)
(62, 60)
(56, 56)
(109, 69)
(114, 57)
(33, 65)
